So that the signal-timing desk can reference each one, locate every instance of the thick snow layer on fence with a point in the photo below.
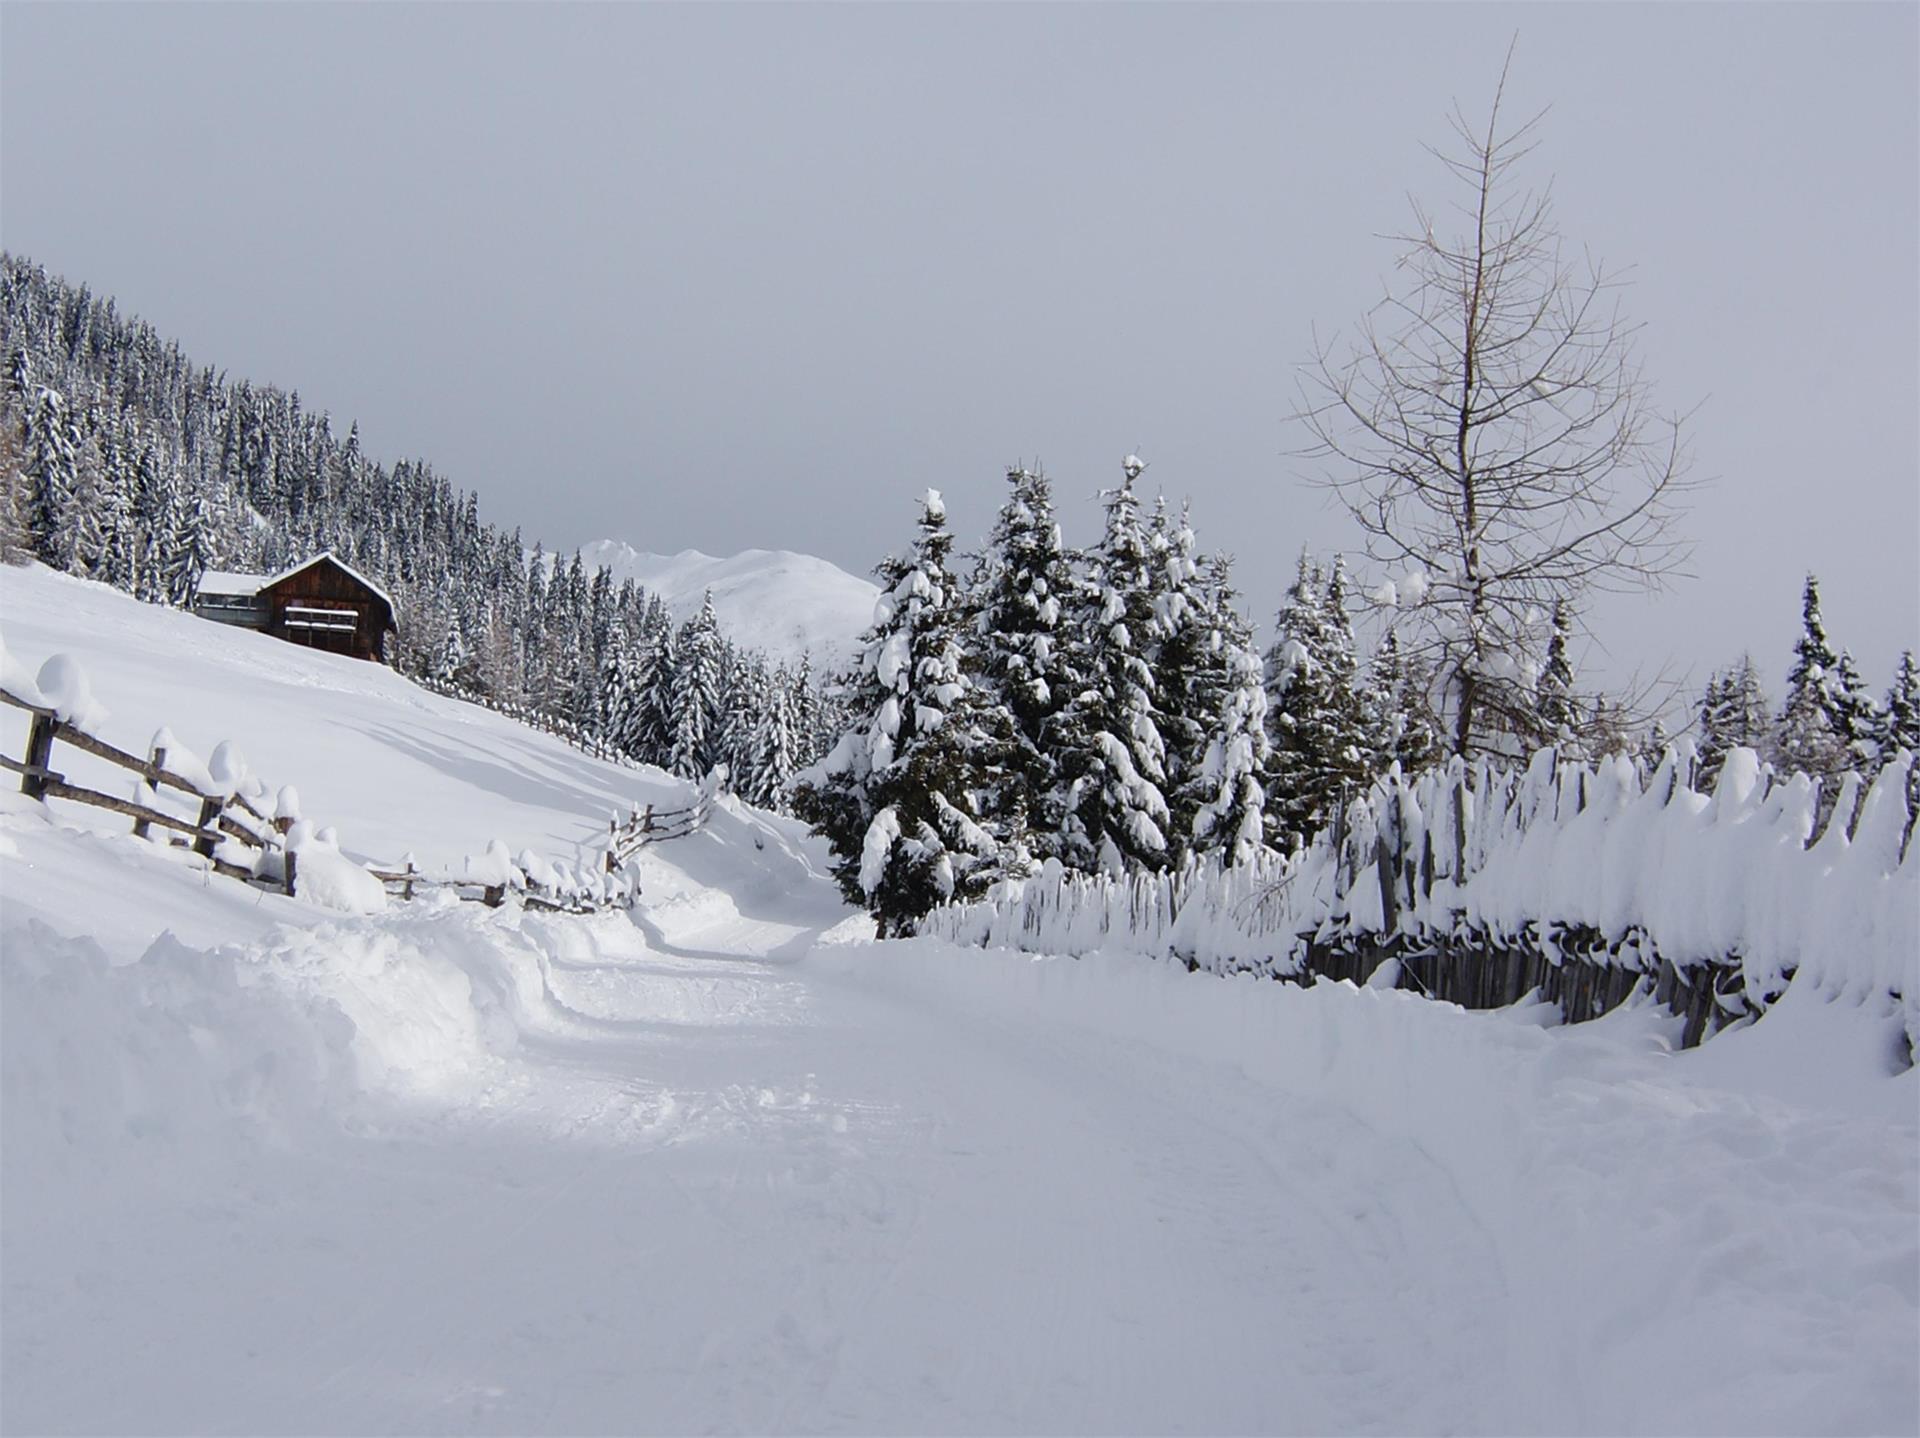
(1651, 868)
(69, 693)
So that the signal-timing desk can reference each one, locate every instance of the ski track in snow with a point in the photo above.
(720, 1166)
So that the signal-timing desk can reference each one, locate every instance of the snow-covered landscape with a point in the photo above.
(723, 1163)
(1016, 720)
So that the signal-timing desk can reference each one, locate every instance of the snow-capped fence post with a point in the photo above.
(209, 822)
(156, 765)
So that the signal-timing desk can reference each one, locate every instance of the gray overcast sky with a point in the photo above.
(721, 277)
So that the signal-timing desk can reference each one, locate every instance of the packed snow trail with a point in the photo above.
(730, 1193)
(649, 1189)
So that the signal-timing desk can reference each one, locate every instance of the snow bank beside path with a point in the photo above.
(1683, 1245)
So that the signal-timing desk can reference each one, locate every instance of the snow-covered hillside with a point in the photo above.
(774, 600)
(723, 1164)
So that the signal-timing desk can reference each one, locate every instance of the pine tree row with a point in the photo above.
(1829, 722)
(1103, 710)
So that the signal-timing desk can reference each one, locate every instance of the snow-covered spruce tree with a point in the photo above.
(1900, 726)
(1900, 716)
(189, 551)
(13, 481)
(1107, 739)
(1228, 793)
(895, 798)
(1860, 715)
(658, 710)
(450, 661)
(1815, 732)
(1190, 667)
(1321, 739)
(772, 766)
(1608, 730)
(1733, 712)
(112, 542)
(1653, 746)
(52, 459)
(533, 633)
(696, 694)
(620, 698)
(808, 729)
(745, 696)
(1019, 662)
(1401, 726)
(1554, 704)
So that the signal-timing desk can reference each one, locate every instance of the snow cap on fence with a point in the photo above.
(286, 804)
(67, 692)
(494, 868)
(538, 871)
(328, 878)
(227, 767)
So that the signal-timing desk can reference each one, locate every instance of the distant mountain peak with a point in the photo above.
(775, 600)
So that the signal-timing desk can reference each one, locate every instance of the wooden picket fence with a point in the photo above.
(236, 816)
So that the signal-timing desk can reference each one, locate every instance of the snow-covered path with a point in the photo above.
(730, 1193)
(846, 1193)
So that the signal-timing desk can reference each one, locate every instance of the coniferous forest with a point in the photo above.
(134, 466)
(1106, 709)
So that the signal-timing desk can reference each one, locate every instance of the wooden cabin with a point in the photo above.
(322, 602)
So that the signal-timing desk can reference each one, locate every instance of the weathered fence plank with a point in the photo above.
(36, 774)
(58, 788)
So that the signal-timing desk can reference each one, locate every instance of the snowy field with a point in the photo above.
(725, 1165)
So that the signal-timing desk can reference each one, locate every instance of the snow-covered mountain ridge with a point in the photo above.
(774, 600)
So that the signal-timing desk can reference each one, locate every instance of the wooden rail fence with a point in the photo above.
(234, 815)
(221, 816)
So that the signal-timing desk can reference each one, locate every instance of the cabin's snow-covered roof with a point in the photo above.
(292, 570)
(229, 581)
(232, 582)
(340, 563)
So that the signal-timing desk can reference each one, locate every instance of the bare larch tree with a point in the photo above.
(1490, 430)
